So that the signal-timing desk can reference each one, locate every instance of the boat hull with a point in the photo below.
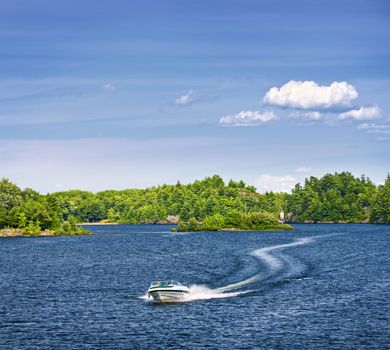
(168, 296)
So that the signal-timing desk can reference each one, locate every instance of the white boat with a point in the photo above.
(167, 291)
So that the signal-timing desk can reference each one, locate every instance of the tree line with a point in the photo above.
(338, 197)
(235, 220)
(32, 212)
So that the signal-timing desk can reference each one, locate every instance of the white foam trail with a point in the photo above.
(173, 234)
(145, 297)
(201, 292)
(273, 262)
(237, 285)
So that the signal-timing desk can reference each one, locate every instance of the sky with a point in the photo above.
(122, 94)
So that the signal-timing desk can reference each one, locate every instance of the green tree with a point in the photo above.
(213, 223)
(10, 197)
(193, 224)
(181, 226)
(72, 223)
(336, 197)
(33, 227)
(381, 207)
(112, 215)
(22, 220)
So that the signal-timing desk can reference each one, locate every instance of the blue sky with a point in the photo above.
(97, 95)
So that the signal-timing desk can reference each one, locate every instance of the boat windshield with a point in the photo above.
(165, 283)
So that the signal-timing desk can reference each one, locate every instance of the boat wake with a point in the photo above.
(274, 263)
(277, 267)
(202, 292)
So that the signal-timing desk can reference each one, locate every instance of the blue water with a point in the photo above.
(320, 286)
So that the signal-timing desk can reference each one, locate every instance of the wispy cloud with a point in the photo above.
(362, 113)
(383, 138)
(376, 129)
(380, 130)
(310, 95)
(374, 126)
(248, 118)
(314, 115)
(186, 99)
(303, 169)
(268, 183)
(109, 87)
(306, 115)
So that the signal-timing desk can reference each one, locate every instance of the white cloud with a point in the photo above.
(381, 131)
(376, 131)
(373, 126)
(185, 99)
(109, 87)
(267, 183)
(362, 113)
(248, 118)
(315, 115)
(306, 116)
(303, 169)
(382, 138)
(310, 95)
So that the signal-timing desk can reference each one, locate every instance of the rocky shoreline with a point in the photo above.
(16, 232)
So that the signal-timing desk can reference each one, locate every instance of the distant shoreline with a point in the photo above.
(117, 223)
(99, 223)
(286, 222)
(8, 232)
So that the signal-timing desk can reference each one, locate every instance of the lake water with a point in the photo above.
(319, 286)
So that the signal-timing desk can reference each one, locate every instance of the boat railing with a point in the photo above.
(166, 283)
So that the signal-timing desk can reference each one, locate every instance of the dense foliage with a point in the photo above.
(199, 200)
(338, 197)
(381, 205)
(32, 212)
(333, 198)
(234, 220)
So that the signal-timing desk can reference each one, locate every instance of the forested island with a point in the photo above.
(28, 213)
(209, 204)
(234, 221)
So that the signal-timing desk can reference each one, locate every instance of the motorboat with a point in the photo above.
(167, 291)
